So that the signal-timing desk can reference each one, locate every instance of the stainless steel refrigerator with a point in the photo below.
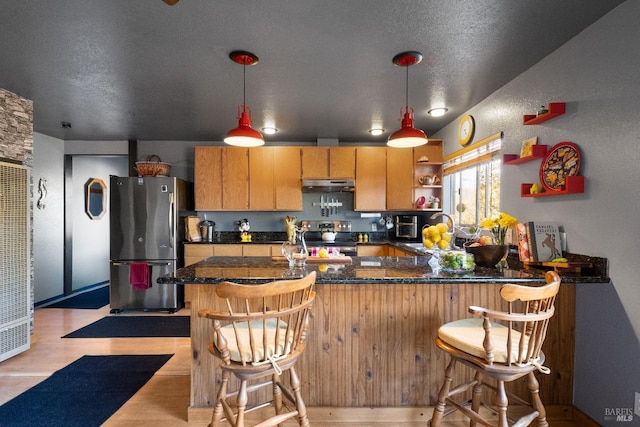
(146, 233)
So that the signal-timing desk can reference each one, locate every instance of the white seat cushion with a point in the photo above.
(274, 349)
(468, 334)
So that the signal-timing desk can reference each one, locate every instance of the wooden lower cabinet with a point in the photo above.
(373, 250)
(372, 345)
(196, 252)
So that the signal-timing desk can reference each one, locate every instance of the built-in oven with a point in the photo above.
(406, 226)
(409, 227)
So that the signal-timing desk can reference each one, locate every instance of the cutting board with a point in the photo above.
(318, 260)
(570, 267)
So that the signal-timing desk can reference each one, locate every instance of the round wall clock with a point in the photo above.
(561, 161)
(466, 128)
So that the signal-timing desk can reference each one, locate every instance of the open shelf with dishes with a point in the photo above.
(555, 109)
(427, 176)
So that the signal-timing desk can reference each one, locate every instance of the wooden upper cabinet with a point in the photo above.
(207, 171)
(315, 162)
(274, 179)
(342, 162)
(235, 178)
(370, 191)
(400, 179)
(261, 179)
(286, 178)
(328, 162)
(221, 178)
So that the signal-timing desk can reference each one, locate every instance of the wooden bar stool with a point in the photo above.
(259, 337)
(504, 346)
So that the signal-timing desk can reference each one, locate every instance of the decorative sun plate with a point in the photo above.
(561, 161)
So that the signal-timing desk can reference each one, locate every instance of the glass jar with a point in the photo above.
(296, 251)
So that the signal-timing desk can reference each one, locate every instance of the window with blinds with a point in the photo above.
(472, 180)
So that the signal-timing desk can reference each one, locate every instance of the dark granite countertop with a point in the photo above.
(382, 270)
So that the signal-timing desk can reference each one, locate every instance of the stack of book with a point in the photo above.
(538, 241)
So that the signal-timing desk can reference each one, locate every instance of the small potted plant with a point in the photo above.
(434, 202)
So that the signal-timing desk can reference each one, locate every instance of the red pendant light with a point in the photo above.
(244, 135)
(407, 136)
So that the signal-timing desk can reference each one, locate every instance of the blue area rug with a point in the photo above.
(85, 393)
(135, 327)
(88, 300)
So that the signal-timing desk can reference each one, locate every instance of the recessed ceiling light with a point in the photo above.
(437, 112)
(376, 132)
(269, 130)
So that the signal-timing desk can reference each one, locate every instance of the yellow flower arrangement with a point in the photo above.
(499, 226)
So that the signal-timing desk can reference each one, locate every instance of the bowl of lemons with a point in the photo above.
(436, 236)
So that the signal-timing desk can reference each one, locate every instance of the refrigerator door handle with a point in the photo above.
(119, 263)
(172, 230)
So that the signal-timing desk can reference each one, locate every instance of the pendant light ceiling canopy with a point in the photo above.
(244, 135)
(407, 136)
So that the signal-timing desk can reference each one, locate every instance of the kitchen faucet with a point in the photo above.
(450, 218)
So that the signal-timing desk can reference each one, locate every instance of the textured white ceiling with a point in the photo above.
(145, 70)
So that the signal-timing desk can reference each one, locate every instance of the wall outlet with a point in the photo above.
(636, 404)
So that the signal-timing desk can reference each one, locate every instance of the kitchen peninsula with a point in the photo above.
(373, 327)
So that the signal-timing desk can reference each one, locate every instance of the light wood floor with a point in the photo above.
(164, 400)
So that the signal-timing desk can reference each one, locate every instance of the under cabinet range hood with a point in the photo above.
(327, 185)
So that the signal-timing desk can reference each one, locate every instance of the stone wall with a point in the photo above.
(16, 128)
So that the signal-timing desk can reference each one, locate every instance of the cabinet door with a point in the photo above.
(372, 250)
(196, 252)
(315, 162)
(400, 179)
(235, 178)
(371, 167)
(261, 179)
(342, 162)
(228, 250)
(256, 250)
(288, 188)
(207, 171)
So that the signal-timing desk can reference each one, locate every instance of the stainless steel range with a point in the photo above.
(329, 234)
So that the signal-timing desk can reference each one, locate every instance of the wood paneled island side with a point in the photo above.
(373, 327)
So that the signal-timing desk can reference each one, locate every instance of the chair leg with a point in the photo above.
(501, 401)
(534, 388)
(277, 393)
(476, 397)
(222, 394)
(300, 406)
(438, 411)
(241, 400)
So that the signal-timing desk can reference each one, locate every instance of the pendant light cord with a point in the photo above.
(407, 89)
(244, 83)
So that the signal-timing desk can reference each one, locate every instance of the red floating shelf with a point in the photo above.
(537, 152)
(573, 185)
(555, 109)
